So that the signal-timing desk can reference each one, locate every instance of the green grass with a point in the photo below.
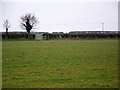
(60, 64)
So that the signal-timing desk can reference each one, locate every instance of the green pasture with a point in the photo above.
(60, 64)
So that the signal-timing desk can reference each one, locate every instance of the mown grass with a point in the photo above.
(60, 64)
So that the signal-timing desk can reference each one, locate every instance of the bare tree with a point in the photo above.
(6, 25)
(29, 22)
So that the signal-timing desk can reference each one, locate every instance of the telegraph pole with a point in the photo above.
(102, 26)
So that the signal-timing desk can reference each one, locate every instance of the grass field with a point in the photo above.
(60, 64)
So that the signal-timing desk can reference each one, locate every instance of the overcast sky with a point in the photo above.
(65, 16)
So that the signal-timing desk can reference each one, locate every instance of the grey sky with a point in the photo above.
(62, 16)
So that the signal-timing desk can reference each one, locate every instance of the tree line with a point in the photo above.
(28, 22)
(48, 36)
(17, 35)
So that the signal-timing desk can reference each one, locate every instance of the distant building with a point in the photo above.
(39, 35)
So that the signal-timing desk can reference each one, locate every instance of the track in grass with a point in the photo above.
(60, 63)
